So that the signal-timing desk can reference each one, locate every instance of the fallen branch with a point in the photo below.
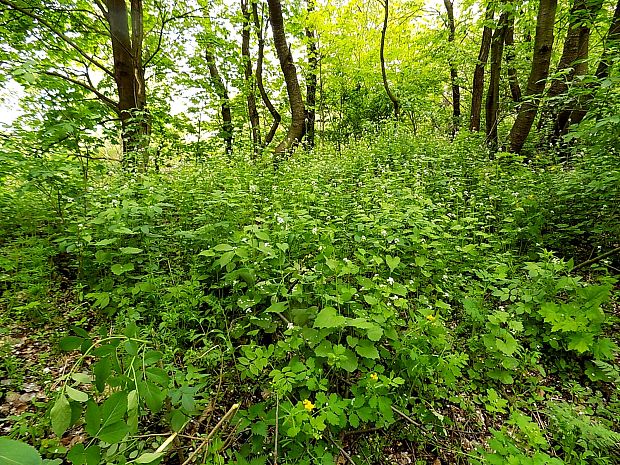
(597, 259)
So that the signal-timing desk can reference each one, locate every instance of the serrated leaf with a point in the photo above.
(14, 452)
(329, 318)
(76, 395)
(61, 415)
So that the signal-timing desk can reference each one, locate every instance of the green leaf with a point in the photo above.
(392, 262)
(81, 378)
(151, 357)
(277, 307)
(348, 361)
(119, 269)
(177, 420)
(70, 343)
(149, 457)
(329, 318)
(223, 248)
(114, 432)
(61, 415)
(102, 370)
(18, 453)
(92, 418)
(130, 250)
(153, 395)
(367, 349)
(114, 408)
(76, 395)
(106, 242)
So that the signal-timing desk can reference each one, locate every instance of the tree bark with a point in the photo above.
(513, 79)
(275, 114)
(573, 62)
(311, 82)
(222, 93)
(298, 113)
(129, 78)
(492, 102)
(388, 91)
(602, 70)
(543, 45)
(249, 79)
(478, 83)
(456, 91)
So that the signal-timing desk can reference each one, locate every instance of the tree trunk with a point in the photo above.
(296, 103)
(129, 78)
(573, 62)
(492, 102)
(249, 80)
(390, 94)
(513, 79)
(602, 70)
(543, 44)
(456, 91)
(275, 114)
(222, 93)
(311, 82)
(478, 83)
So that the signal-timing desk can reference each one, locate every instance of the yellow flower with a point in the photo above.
(431, 317)
(309, 406)
(374, 376)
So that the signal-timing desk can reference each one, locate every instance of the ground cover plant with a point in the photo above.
(395, 299)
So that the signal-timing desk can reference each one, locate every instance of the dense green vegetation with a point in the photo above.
(209, 255)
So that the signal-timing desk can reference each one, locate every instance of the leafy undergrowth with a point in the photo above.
(397, 302)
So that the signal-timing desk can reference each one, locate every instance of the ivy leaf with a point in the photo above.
(61, 415)
(329, 318)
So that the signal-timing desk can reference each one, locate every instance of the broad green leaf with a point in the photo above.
(114, 408)
(106, 242)
(149, 457)
(18, 453)
(130, 250)
(92, 418)
(70, 343)
(348, 361)
(61, 415)
(223, 248)
(329, 318)
(114, 432)
(153, 395)
(78, 396)
(367, 349)
(102, 370)
(81, 378)
(392, 262)
(119, 269)
(278, 307)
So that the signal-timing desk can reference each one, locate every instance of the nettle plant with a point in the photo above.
(331, 342)
(546, 309)
(125, 381)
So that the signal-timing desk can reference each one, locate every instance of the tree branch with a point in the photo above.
(106, 100)
(59, 34)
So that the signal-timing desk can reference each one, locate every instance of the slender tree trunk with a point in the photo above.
(513, 79)
(543, 44)
(275, 114)
(573, 62)
(311, 82)
(129, 78)
(478, 83)
(222, 93)
(492, 102)
(390, 94)
(456, 91)
(249, 79)
(602, 71)
(296, 103)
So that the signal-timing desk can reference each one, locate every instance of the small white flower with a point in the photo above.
(253, 188)
(280, 220)
(363, 238)
(383, 232)
(315, 230)
(291, 325)
(390, 280)
(396, 241)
